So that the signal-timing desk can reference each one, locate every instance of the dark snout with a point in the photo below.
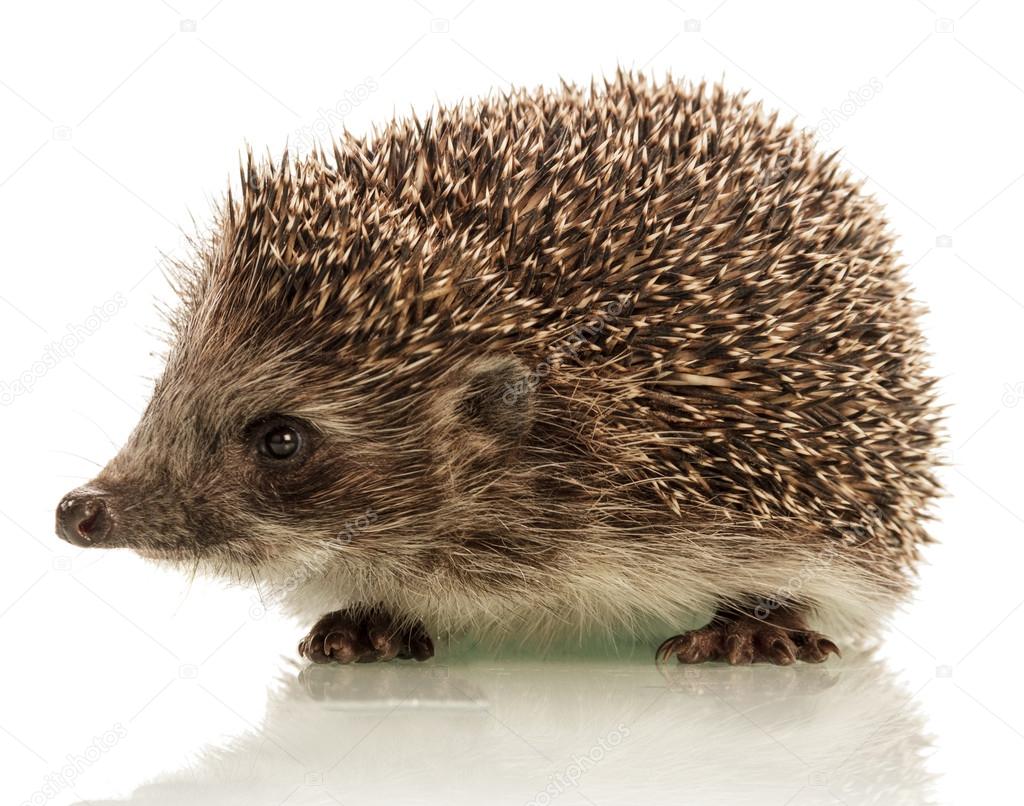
(84, 518)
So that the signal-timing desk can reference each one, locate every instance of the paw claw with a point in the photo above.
(385, 643)
(782, 652)
(313, 650)
(738, 650)
(421, 648)
(671, 646)
(696, 646)
(341, 646)
(817, 649)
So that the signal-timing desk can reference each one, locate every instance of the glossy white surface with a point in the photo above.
(573, 733)
(122, 682)
(240, 726)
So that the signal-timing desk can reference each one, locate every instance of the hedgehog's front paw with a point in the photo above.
(363, 635)
(740, 639)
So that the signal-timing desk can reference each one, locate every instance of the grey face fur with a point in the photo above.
(199, 482)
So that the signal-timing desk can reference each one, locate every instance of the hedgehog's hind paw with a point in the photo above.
(364, 635)
(740, 639)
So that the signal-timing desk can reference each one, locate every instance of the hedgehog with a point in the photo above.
(550, 363)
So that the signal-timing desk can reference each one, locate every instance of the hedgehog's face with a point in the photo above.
(214, 484)
(283, 463)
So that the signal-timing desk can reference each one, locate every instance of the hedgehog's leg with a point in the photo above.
(778, 636)
(364, 634)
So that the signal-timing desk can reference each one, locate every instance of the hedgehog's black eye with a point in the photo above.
(280, 442)
(278, 438)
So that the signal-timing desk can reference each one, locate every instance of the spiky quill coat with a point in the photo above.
(579, 358)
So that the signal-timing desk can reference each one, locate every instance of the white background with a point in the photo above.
(120, 121)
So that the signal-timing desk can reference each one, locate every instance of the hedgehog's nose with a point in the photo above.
(83, 518)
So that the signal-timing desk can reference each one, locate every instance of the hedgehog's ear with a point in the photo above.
(493, 399)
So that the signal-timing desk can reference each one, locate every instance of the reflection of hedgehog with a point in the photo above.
(552, 359)
(847, 732)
